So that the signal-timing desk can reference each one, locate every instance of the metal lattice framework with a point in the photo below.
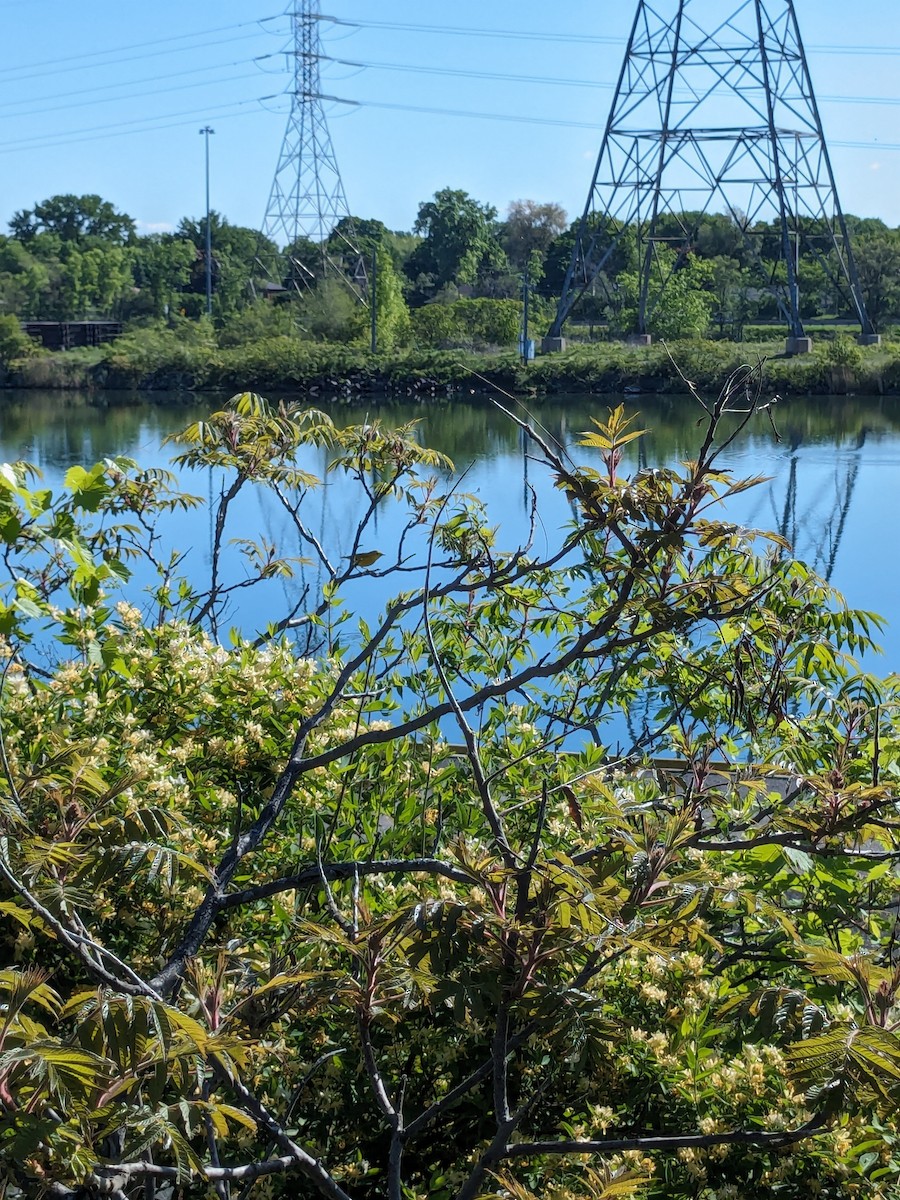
(307, 200)
(714, 112)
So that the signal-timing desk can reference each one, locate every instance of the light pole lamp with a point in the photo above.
(205, 132)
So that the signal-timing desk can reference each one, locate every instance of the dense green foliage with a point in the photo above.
(471, 323)
(455, 281)
(362, 905)
(191, 355)
(14, 344)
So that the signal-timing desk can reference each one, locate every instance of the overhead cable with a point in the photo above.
(576, 38)
(77, 61)
(96, 133)
(518, 118)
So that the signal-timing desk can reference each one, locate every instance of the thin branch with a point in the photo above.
(340, 919)
(88, 950)
(303, 1162)
(484, 790)
(244, 1174)
(373, 1071)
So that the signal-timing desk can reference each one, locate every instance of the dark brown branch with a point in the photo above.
(670, 1142)
(311, 875)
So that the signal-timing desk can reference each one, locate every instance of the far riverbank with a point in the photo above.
(283, 365)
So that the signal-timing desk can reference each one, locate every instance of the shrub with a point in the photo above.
(470, 323)
(15, 344)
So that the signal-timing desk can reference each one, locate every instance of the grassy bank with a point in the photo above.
(285, 365)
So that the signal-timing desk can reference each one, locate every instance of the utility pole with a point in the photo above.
(205, 132)
(526, 294)
(373, 299)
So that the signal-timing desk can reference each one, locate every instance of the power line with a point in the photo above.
(518, 118)
(174, 120)
(460, 73)
(555, 81)
(521, 34)
(182, 87)
(100, 132)
(39, 74)
(108, 87)
(179, 37)
(576, 38)
(96, 133)
(465, 112)
(386, 66)
(401, 67)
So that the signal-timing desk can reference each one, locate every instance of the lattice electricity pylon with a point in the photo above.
(307, 210)
(714, 111)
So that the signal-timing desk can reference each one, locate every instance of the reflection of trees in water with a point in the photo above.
(56, 430)
(465, 428)
(804, 502)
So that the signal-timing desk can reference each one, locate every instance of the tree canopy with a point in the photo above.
(458, 239)
(74, 219)
(77, 257)
(529, 231)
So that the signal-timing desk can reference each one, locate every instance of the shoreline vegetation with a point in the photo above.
(141, 362)
(448, 300)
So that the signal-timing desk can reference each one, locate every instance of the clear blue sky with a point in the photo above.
(108, 97)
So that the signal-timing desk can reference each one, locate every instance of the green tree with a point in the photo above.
(330, 312)
(731, 286)
(400, 245)
(162, 266)
(459, 240)
(73, 284)
(392, 313)
(24, 280)
(358, 232)
(679, 299)
(14, 342)
(91, 282)
(528, 232)
(260, 320)
(615, 241)
(239, 256)
(302, 264)
(878, 264)
(78, 219)
(473, 324)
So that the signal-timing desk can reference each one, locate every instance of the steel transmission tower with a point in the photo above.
(714, 112)
(307, 201)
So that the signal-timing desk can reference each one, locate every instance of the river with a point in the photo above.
(834, 477)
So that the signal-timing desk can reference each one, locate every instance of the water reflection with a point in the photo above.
(832, 477)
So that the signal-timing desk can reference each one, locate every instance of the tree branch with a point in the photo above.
(670, 1142)
(310, 875)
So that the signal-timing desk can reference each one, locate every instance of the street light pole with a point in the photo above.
(205, 132)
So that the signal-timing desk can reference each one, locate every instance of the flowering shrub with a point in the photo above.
(384, 917)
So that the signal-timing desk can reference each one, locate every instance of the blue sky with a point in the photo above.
(109, 96)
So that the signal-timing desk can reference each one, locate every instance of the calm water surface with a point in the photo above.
(833, 491)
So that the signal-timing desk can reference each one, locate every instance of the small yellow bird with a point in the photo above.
(366, 558)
